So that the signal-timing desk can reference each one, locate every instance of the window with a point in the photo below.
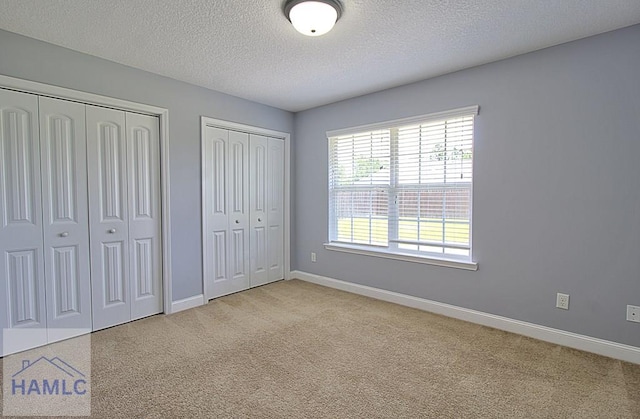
(404, 187)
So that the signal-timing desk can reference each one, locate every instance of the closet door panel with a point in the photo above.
(65, 217)
(215, 208)
(275, 205)
(145, 271)
(22, 296)
(239, 260)
(258, 201)
(108, 216)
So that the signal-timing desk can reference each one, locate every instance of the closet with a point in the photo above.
(124, 215)
(243, 202)
(79, 218)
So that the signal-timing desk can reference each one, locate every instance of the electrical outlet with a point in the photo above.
(562, 301)
(313, 256)
(633, 314)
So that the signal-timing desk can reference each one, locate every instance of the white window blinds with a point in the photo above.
(406, 187)
(359, 179)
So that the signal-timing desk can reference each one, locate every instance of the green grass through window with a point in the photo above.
(430, 230)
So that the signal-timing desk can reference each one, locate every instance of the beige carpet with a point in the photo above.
(294, 349)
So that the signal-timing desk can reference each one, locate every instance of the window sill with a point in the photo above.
(407, 257)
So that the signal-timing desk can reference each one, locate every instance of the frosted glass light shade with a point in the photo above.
(313, 18)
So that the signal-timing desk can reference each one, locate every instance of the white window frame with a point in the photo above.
(392, 251)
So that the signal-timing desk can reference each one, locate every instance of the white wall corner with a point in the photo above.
(560, 337)
(187, 303)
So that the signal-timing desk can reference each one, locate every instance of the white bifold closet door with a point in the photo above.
(266, 213)
(243, 184)
(125, 230)
(21, 246)
(44, 236)
(65, 217)
(226, 205)
(275, 209)
(258, 202)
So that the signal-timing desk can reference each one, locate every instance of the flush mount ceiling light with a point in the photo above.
(313, 17)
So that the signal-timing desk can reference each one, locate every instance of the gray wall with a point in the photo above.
(30, 59)
(556, 187)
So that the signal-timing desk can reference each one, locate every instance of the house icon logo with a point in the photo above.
(53, 380)
(48, 377)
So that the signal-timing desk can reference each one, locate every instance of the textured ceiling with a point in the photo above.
(247, 48)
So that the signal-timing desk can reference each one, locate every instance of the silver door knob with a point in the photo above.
(259, 219)
(112, 231)
(64, 234)
(237, 222)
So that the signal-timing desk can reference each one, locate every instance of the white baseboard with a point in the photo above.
(560, 337)
(187, 303)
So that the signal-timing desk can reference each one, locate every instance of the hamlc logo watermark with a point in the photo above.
(52, 380)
